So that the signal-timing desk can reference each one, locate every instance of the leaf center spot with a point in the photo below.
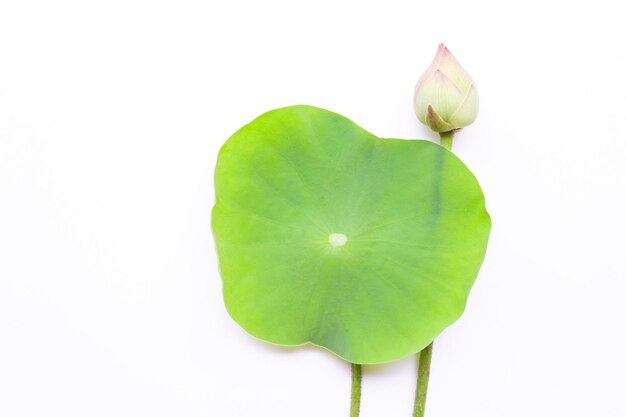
(337, 239)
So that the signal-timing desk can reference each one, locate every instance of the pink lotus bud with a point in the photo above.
(445, 95)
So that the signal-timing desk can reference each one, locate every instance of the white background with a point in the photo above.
(111, 116)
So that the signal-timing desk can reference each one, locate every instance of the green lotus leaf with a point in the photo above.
(327, 234)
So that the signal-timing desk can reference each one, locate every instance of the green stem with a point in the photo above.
(425, 356)
(446, 139)
(423, 373)
(355, 400)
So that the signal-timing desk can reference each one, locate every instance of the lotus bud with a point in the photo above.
(445, 95)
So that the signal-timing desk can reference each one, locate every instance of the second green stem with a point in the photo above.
(423, 374)
(355, 400)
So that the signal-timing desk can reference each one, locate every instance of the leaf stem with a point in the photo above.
(423, 374)
(355, 400)
(446, 139)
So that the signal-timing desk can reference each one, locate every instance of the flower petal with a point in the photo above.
(440, 93)
(451, 67)
(432, 68)
(468, 111)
